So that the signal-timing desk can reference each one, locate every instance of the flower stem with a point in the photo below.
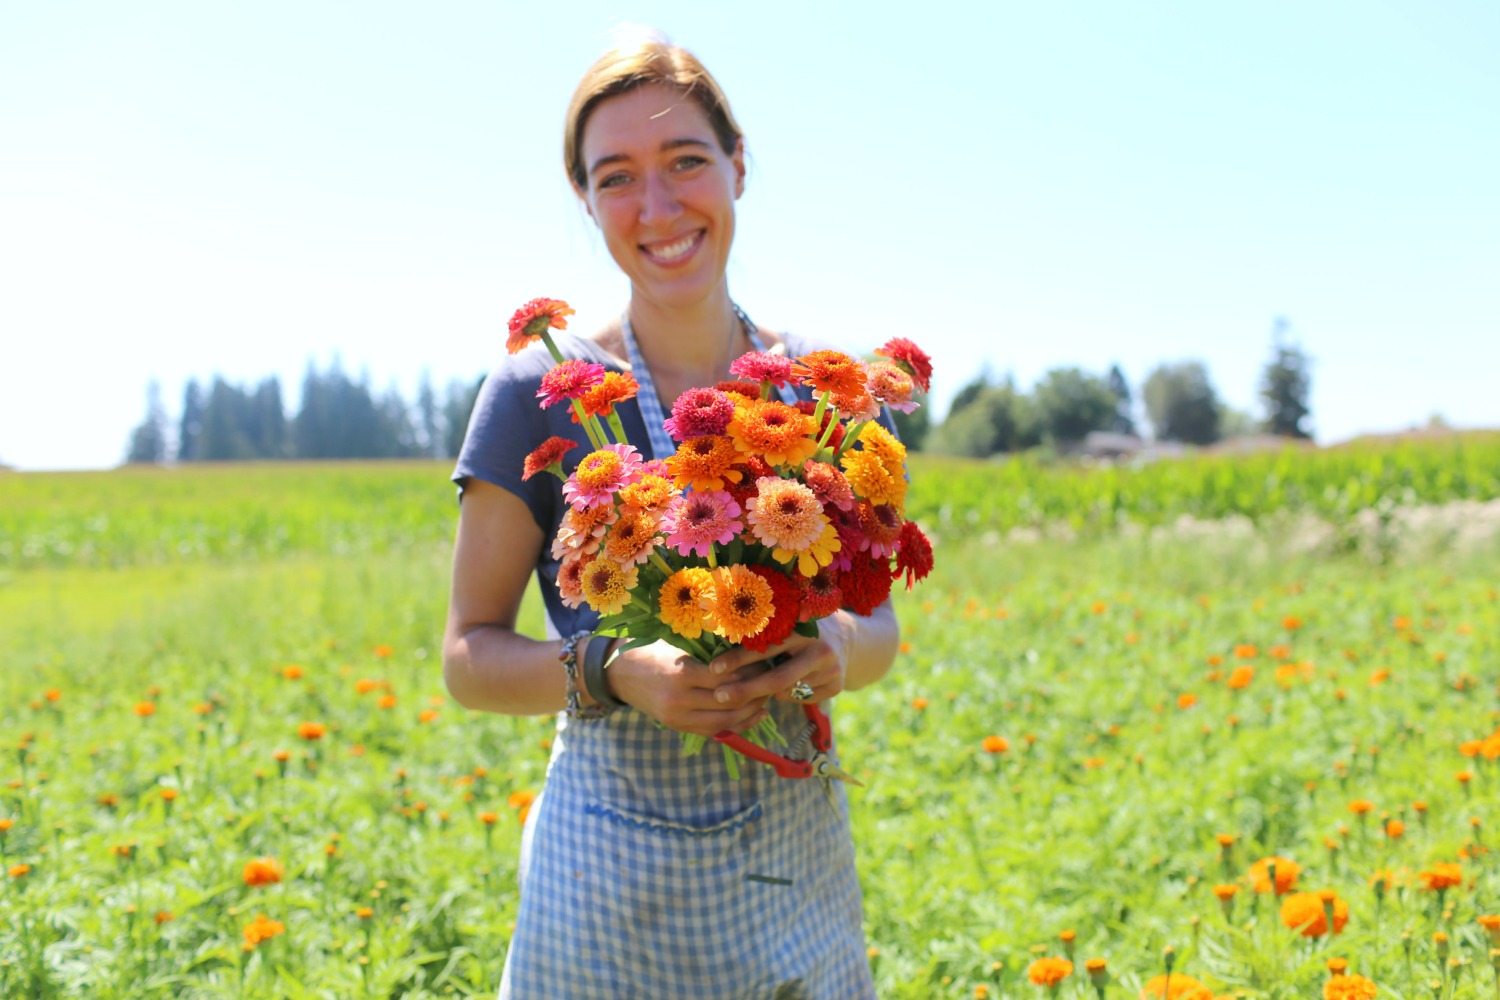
(660, 563)
(849, 438)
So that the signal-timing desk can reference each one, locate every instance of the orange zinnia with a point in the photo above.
(533, 319)
(262, 871)
(741, 602)
(831, 371)
(601, 399)
(773, 431)
(705, 463)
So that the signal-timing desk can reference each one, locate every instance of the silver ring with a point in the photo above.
(801, 691)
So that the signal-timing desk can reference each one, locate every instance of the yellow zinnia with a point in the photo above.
(871, 479)
(607, 585)
(681, 601)
(819, 553)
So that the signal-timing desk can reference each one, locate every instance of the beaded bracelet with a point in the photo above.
(595, 660)
(569, 657)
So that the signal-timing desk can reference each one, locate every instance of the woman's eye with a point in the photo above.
(689, 162)
(613, 180)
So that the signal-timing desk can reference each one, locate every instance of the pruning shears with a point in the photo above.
(820, 765)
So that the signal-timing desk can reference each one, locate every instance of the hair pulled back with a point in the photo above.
(644, 62)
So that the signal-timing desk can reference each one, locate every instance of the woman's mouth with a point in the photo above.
(674, 252)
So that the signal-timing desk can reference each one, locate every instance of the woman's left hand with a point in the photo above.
(817, 662)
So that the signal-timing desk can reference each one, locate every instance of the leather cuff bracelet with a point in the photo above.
(595, 659)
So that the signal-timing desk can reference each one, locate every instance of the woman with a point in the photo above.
(645, 873)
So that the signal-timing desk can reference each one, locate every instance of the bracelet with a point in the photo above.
(595, 660)
(569, 657)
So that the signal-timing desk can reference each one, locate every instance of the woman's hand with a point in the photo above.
(680, 693)
(817, 662)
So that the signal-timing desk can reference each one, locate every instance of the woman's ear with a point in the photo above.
(738, 159)
(583, 198)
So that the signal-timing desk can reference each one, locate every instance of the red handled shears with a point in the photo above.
(819, 765)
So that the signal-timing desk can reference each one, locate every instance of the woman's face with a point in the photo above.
(662, 191)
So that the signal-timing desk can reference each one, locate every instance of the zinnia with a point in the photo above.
(547, 457)
(697, 521)
(699, 412)
(786, 598)
(681, 600)
(569, 380)
(741, 603)
(600, 475)
(786, 515)
(911, 357)
(831, 371)
(602, 398)
(531, 320)
(705, 463)
(606, 585)
(777, 433)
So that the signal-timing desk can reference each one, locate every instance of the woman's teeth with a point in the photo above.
(672, 251)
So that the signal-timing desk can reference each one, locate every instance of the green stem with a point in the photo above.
(713, 561)
(660, 563)
(849, 438)
(590, 427)
(617, 427)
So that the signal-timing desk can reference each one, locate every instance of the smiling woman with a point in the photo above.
(646, 873)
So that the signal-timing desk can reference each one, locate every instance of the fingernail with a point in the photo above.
(721, 695)
(719, 666)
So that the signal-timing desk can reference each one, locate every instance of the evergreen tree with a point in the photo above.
(1124, 422)
(226, 420)
(1285, 385)
(190, 429)
(268, 430)
(456, 409)
(148, 442)
(1182, 403)
(429, 420)
(914, 427)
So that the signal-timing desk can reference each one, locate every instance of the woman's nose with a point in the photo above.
(660, 202)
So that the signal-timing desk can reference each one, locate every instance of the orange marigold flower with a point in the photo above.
(1338, 966)
(489, 818)
(1240, 678)
(995, 744)
(163, 917)
(367, 684)
(364, 912)
(1361, 806)
(1225, 840)
(705, 463)
(741, 603)
(531, 320)
(1287, 871)
(1394, 828)
(383, 650)
(1346, 987)
(1225, 891)
(1049, 971)
(1175, 987)
(52, 694)
(1187, 700)
(1491, 923)
(1291, 623)
(1304, 912)
(427, 715)
(521, 801)
(1094, 966)
(1464, 777)
(919, 704)
(292, 671)
(145, 708)
(20, 869)
(311, 731)
(262, 871)
(168, 794)
(1443, 875)
(773, 431)
(386, 701)
(1246, 651)
(262, 928)
(1379, 677)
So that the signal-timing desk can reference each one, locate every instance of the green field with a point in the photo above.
(240, 602)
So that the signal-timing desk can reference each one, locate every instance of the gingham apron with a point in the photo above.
(648, 875)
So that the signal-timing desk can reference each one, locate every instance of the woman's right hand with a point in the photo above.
(679, 692)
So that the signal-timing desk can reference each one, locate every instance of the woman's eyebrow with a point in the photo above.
(666, 146)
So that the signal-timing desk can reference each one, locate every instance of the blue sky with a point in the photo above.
(189, 189)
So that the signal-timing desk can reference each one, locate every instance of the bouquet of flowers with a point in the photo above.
(766, 518)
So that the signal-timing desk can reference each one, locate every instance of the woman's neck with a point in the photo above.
(691, 345)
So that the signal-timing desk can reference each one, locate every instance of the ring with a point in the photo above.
(801, 691)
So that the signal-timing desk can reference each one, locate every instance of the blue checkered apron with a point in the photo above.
(649, 875)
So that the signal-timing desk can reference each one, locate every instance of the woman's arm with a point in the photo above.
(489, 666)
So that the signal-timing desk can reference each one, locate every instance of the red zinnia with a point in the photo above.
(821, 595)
(699, 413)
(739, 387)
(913, 555)
(866, 584)
(532, 320)
(760, 366)
(547, 455)
(786, 598)
(911, 357)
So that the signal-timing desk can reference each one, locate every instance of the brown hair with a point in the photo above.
(624, 69)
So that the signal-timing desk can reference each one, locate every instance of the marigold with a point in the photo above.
(1246, 651)
(741, 603)
(262, 928)
(1186, 700)
(606, 585)
(292, 671)
(1287, 871)
(778, 433)
(1049, 971)
(19, 870)
(1225, 891)
(1240, 678)
(531, 320)
(1175, 986)
(612, 390)
(1304, 912)
(521, 800)
(1443, 875)
(681, 600)
(705, 463)
(489, 818)
(547, 457)
(1361, 806)
(145, 709)
(995, 744)
(263, 871)
(1349, 987)
(911, 357)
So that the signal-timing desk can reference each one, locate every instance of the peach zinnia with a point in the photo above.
(633, 537)
(741, 603)
(649, 492)
(786, 515)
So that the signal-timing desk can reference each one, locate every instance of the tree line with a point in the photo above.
(340, 417)
(337, 417)
(990, 416)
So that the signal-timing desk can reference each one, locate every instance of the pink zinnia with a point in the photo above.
(892, 386)
(696, 521)
(582, 531)
(784, 514)
(569, 380)
(847, 525)
(570, 580)
(600, 475)
(829, 484)
(699, 413)
(760, 366)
